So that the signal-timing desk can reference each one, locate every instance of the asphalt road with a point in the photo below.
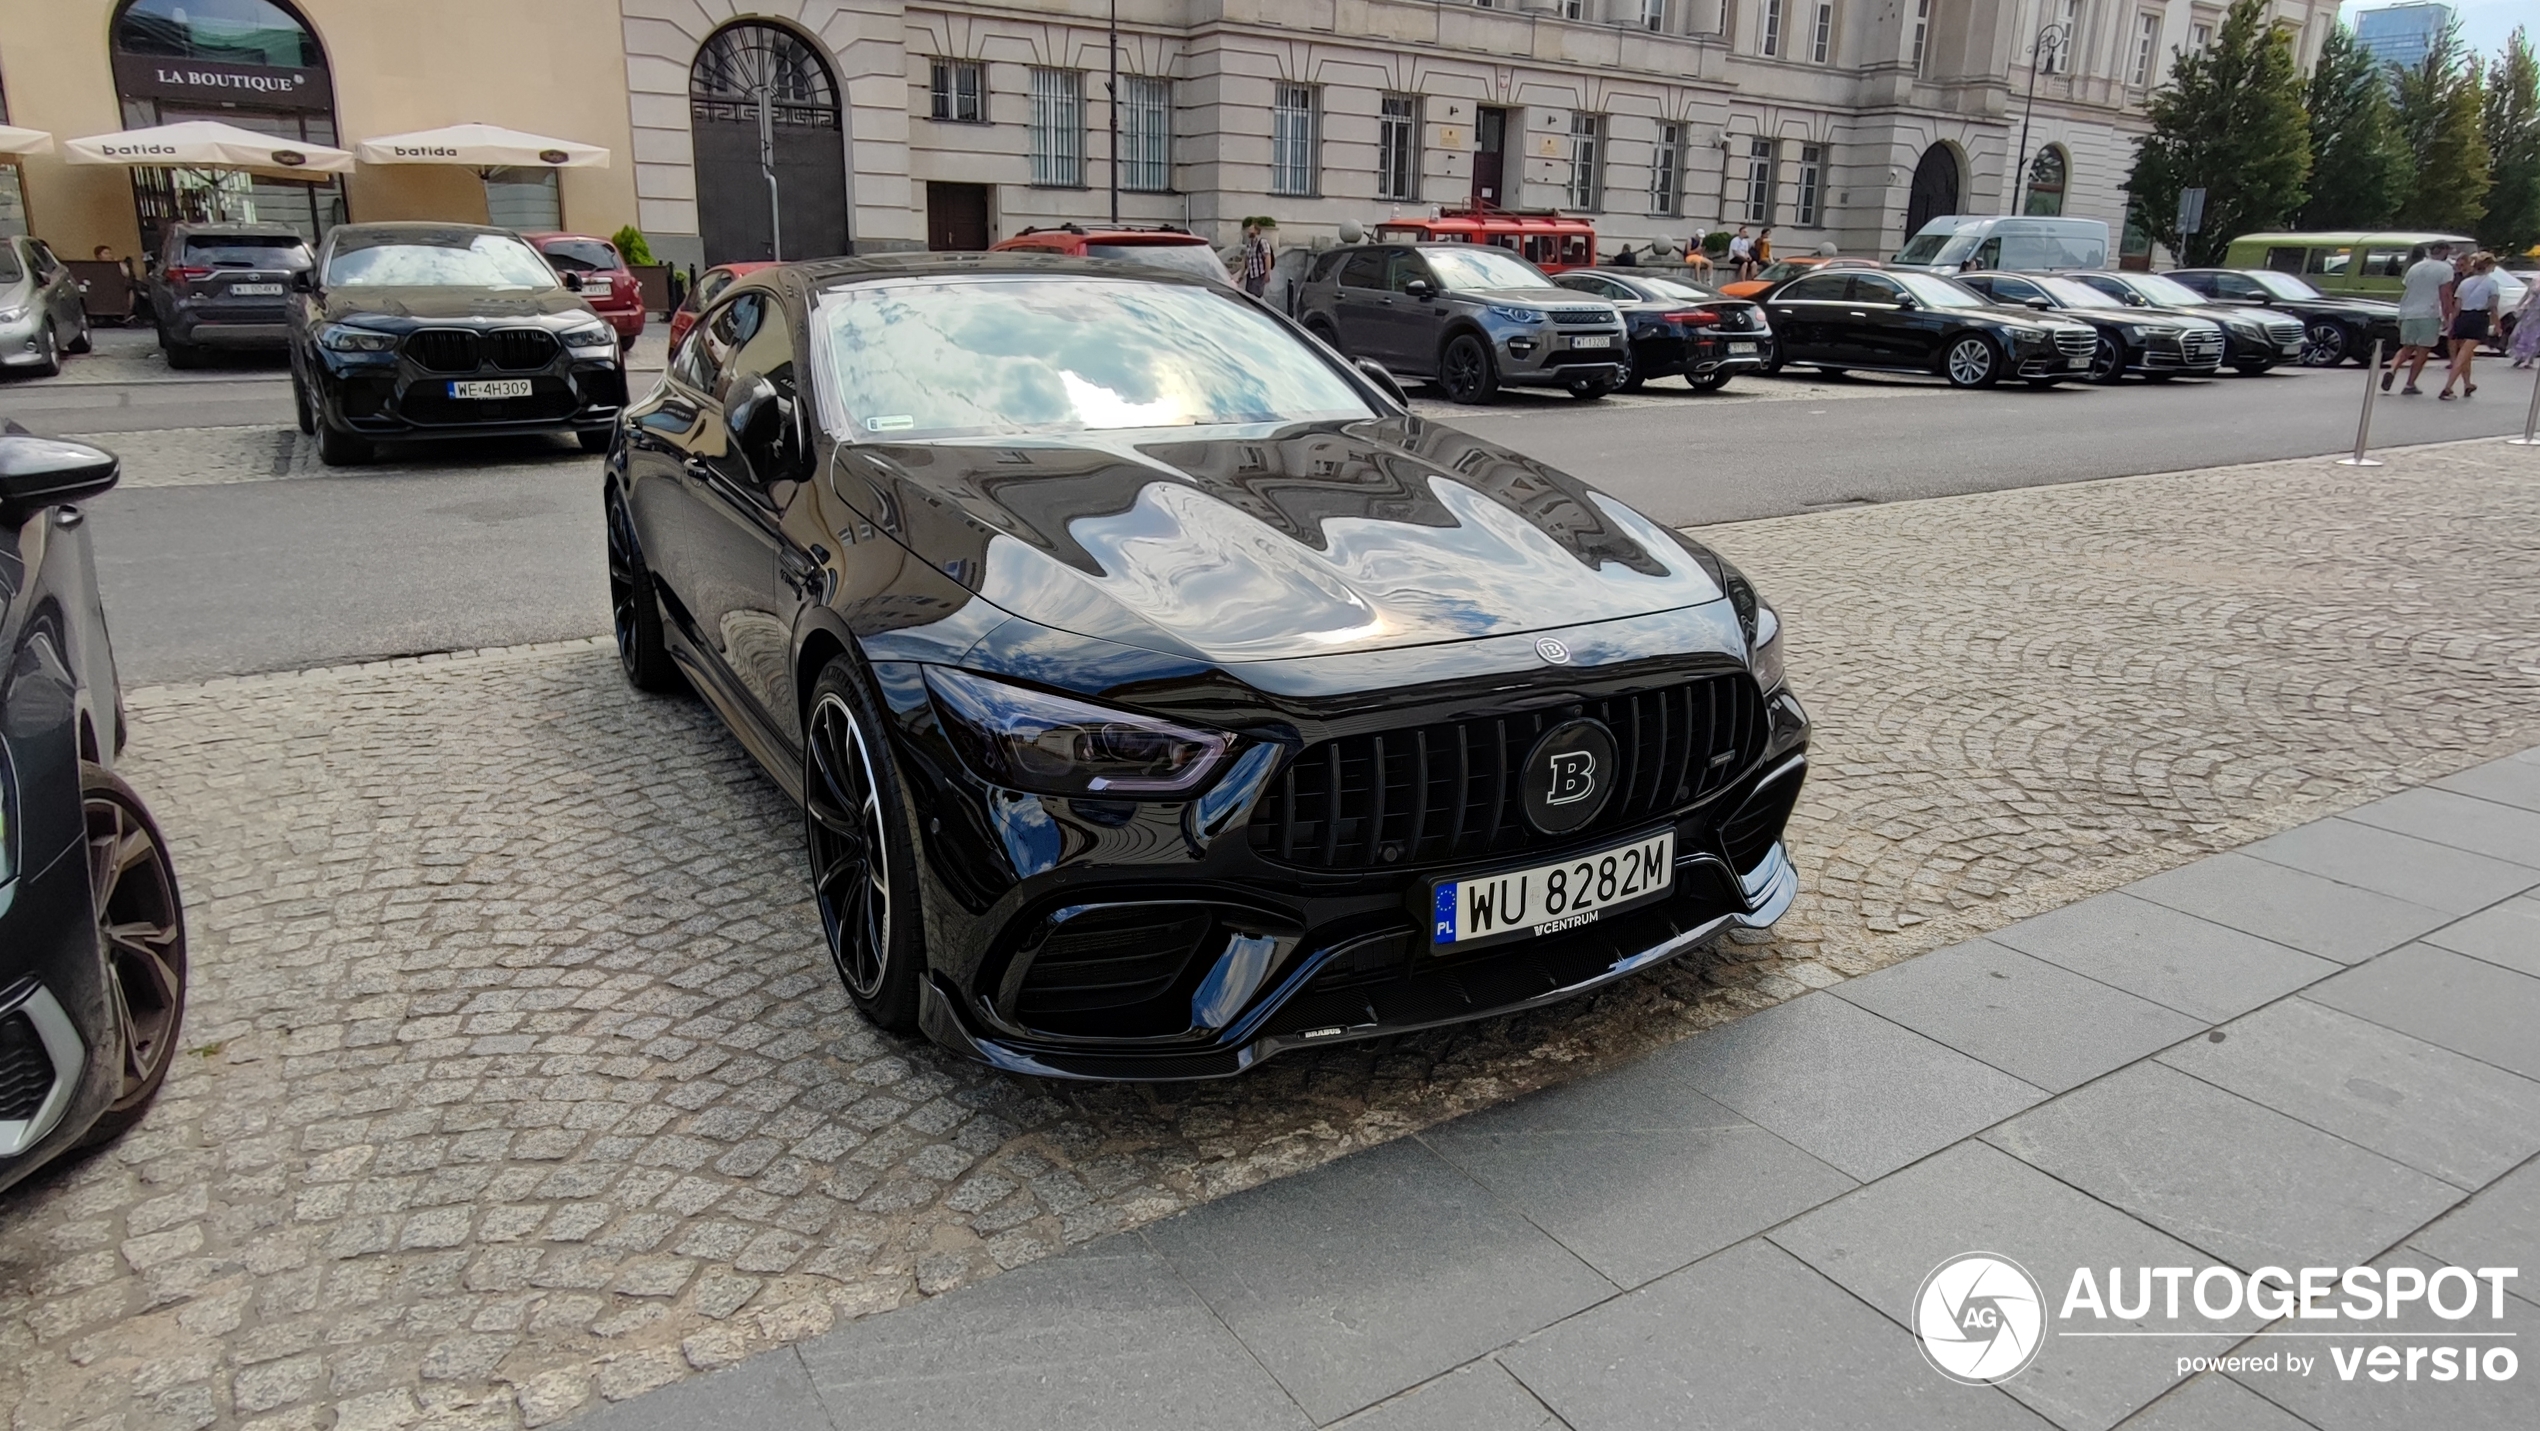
(480, 550)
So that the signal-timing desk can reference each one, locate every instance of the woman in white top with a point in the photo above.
(2478, 296)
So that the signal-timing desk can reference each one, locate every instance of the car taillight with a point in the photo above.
(187, 273)
(1698, 317)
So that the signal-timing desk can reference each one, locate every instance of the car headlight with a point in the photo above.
(1517, 315)
(1758, 623)
(1056, 745)
(2134, 332)
(11, 315)
(589, 335)
(343, 339)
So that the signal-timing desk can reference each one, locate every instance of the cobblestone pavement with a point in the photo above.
(515, 1078)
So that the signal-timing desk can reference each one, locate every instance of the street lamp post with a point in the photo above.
(1112, 89)
(2051, 41)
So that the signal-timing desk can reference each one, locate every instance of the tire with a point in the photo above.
(2107, 362)
(182, 355)
(50, 365)
(2325, 344)
(85, 342)
(303, 409)
(1832, 372)
(1709, 382)
(2159, 377)
(593, 441)
(1590, 389)
(2251, 370)
(1971, 362)
(634, 611)
(1773, 361)
(338, 448)
(1322, 328)
(1631, 381)
(852, 803)
(141, 928)
(1467, 372)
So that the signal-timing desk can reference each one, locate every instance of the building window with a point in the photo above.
(1058, 129)
(1812, 170)
(1587, 160)
(2060, 58)
(1771, 41)
(2198, 37)
(2047, 175)
(1573, 9)
(1666, 169)
(1759, 181)
(1146, 133)
(1922, 28)
(1821, 42)
(960, 91)
(1294, 168)
(1653, 15)
(2147, 43)
(1398, 147)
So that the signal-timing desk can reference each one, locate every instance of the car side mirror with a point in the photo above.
(41, 472)
(760, 424)
(573, 281)
(1905, 303)
(1375, 373)
(2040, 304)
(302, 283)
(1421, 288)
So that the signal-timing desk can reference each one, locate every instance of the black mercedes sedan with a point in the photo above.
(421, 330)
(2154, 343)
(1676, 327)
(1837, 319)
(2254, 340)
(92, 937)
(2334, 329)
(1160, 693)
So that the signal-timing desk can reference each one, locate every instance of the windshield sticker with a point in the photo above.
(900, 422)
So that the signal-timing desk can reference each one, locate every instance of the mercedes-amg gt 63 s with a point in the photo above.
(1160, 693)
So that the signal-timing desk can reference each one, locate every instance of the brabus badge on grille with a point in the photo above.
(1552, 651)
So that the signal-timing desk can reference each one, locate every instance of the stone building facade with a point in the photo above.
(1833, 121)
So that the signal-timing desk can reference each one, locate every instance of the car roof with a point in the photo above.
(819, 275)
(426, 230)
(550, 236)
(236, 230)
(1124, 234)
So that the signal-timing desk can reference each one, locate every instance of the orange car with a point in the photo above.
(1160, 247)
(1782, 268)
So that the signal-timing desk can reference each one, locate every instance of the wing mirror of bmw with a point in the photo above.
(1421, 288)
(40, 472)
(1375, 373)
(761, 425)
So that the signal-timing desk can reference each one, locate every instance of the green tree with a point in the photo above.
(2436, 103)
(2229, 121)
(2512, 131)
(2359, 169)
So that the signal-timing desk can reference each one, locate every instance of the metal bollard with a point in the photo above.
(2530, 420)
(2363, 426)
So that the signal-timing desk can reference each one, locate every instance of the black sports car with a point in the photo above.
(1835, 319)
(445, 330)
(1677, 327)
(92, 939)
(2131, 340)
(2254, 340)
(2334, 329)
(1162, 694)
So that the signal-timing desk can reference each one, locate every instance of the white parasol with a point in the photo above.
(208, 144)
(481, 147)
(14, 140)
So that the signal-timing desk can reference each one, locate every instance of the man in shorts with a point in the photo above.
(2425, 303)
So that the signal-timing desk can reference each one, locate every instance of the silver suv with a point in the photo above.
(1468, 317)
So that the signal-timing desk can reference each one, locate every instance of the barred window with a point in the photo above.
(1666, 169)
(1759, 181)
(1058, 128)
(1146, 133)
(1587, 161)
(1295, 166)
(1812, 167)
(960, 91)
(1398, 147)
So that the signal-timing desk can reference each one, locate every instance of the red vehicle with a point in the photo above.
(607, 284)
(1162, 246)
(702, 292)
(1550, 241)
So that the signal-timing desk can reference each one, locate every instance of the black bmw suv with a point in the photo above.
(1160, 693)
(416, 330)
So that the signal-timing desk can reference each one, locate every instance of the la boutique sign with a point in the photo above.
(278, 86)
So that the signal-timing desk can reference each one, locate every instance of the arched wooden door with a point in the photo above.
(1935, 193)
(746, 74)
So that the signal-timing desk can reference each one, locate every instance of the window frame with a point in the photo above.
(1821, 34)
(1148, 167)
(1809, 200)
(1055, 146)
(1763, 176)
(1768, 30)
(1586, 187)
(1653, 16)
(1922, 31)
(1296, 158)
(1398, 147)
(1666, 171)
(2147, 48)
(943, 89)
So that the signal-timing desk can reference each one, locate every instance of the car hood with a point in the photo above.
(1543, 297)
(390, 307)
(1298, 541)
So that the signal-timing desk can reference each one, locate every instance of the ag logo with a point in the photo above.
(1552, 651)
(1569, 776)
(290, 158)
(553, 156)
(1979, 1318)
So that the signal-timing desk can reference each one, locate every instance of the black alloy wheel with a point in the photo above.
(49, 363)
(634, 612)
(863, 876)
(84, 340)
(2324, 343)
(2107, 361)
(1631, 380)
(1772, 359)
(141, 931)
(1971, 362)
(338, 448)
(302, 409)
(1709, 382)
(1467, 372)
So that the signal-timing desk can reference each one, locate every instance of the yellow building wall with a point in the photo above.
(551, 67)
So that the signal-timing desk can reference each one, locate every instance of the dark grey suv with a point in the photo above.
(225, 286)
(1466, 316)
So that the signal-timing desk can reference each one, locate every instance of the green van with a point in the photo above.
(2358, 265)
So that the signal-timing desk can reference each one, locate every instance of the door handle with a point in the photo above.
(1857, 313)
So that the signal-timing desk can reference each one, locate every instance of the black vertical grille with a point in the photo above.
(520, 349)
(1451, 791)
(442, 350)
(26, 1070)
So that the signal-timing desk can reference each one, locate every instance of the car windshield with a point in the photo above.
(1929, 247)
(1480, 266)
(1671, 288)
(580, 255)
(461, 261)
(10, 270)
(2076, 295)
(1193, 258)
(1781, 269)
(247, 250)
(2165, 292)
(974, 356)
(1936, 292)
(2283, 285)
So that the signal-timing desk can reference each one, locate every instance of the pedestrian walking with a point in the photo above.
(1256, 260)
(2526, 341)
(2475, 301)
(2425, 301)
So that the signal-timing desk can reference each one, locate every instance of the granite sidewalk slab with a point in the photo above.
(2323, 1050)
